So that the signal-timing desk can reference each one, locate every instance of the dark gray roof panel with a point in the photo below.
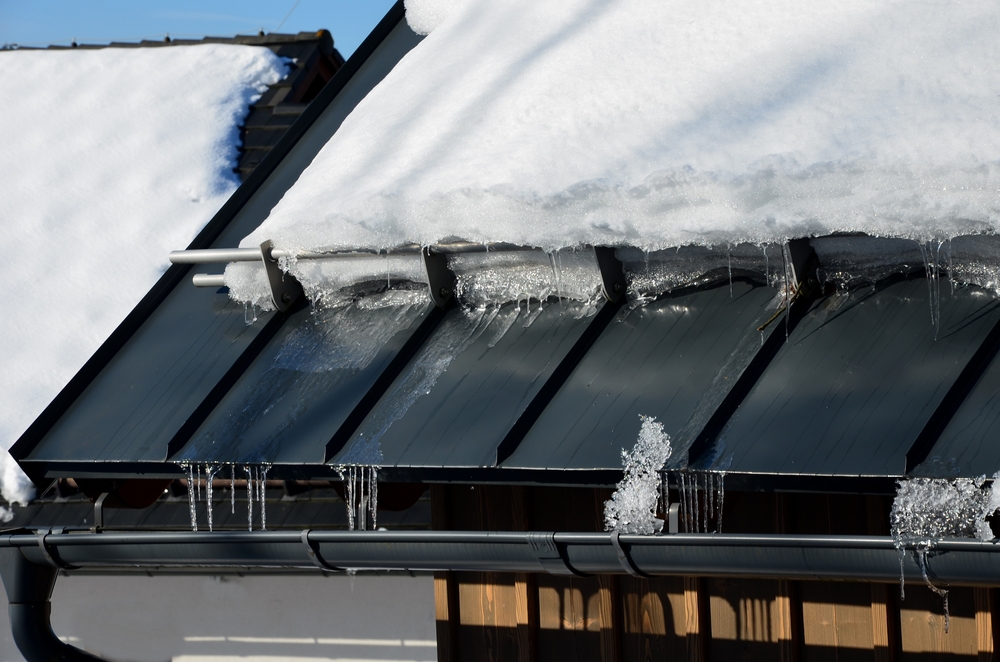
(658, 361)
(472, 379)
(295, 396)
(162, 373)
(151, 387)
(969, 444)
(856, 382)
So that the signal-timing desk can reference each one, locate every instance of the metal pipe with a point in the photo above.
(222, 255)
(209, 280)
(215, 255)
(859, 558)
(32, 629)
(29, 589)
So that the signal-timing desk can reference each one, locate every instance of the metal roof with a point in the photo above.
(844, 384)
(855, 383)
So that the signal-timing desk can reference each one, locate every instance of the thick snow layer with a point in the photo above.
(108, 160)
(665, 123)
(423, 16)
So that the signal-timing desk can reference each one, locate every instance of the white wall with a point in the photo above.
(217, 619)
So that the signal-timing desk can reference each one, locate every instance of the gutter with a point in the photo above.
(30, 561)
(952, 562)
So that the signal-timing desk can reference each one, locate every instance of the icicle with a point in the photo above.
(555, 274)
(697, 501)
(692, 508)
(704, 516)
(710, 497)
(191, 504)
(232, 489)
(951, 268)
(933, 289)
(935, 285)
(349, 489)
(722, 496)
(682, 486)
(729, 259)
(263, 496)
(922, 560)
(373, 501)
(198, 480)
(210, 471)
(767, 271)
(680, 501)
(902, 577)
(249, 471)
(665, 500)
(688, 504)
(788, 285)
(362, 518)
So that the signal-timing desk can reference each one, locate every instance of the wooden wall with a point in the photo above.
(526, 617)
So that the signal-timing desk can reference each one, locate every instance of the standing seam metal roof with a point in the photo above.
(860, 386)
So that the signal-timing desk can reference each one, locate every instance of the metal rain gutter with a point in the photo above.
(859, 558)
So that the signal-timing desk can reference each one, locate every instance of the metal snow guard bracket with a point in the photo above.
(285, 290)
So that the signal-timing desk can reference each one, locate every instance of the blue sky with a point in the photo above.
(43, 22)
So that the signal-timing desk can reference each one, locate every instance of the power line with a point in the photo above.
(287, 15)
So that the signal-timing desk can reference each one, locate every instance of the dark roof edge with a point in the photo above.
(175, 274)
(607, 478)
(261, 39)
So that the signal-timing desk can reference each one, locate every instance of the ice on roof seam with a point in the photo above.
(795, 311)
(384, 381)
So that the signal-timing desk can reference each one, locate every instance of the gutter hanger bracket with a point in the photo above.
(51, 556)
(285, 290)
(674, 518)
(313, 550)
(99, 513)
(549, 556)
(624, 559)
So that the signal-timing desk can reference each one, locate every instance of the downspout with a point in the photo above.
(29, 590)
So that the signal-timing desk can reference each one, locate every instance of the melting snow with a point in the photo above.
(632, 507)
(927, 510)
(660, 124)
(108, 160)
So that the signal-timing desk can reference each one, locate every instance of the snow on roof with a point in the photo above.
(108, 160)
(664, 123)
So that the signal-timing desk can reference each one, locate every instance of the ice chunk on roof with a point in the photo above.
(109, 159)
(658, 124)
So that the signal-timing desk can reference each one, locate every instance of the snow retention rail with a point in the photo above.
(859, 558)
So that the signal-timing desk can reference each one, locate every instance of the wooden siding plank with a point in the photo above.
(983, 598)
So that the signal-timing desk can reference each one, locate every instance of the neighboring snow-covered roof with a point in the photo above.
(108, 159)
(658, 124)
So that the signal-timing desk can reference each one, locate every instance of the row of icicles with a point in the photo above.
(701, 497)
(200, 482)
(360, 486)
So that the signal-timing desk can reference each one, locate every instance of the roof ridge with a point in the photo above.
(260, 39)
